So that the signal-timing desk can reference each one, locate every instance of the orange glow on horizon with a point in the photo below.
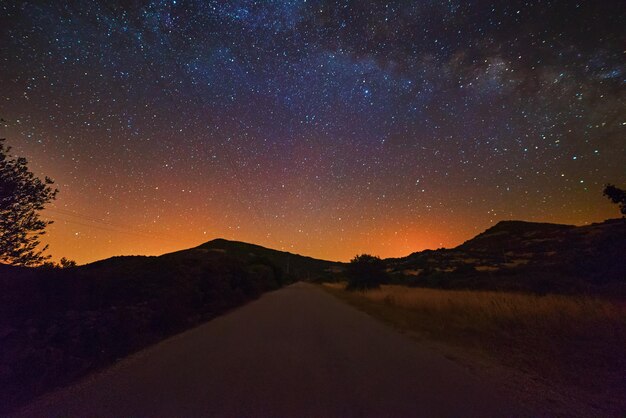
(88, 239)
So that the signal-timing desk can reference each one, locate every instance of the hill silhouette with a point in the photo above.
(303, 267)
(526, 256)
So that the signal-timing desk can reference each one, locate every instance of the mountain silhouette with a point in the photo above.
(531, 256)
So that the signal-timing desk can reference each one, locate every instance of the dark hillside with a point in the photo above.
(506, 235)
(526, 256)
(303, 267)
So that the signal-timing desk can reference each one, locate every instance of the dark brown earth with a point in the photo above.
(296, 352)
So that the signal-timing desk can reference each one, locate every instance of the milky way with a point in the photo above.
(321, 127)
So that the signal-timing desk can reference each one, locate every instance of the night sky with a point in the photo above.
(325, 128)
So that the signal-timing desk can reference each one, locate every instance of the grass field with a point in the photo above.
(567, 341)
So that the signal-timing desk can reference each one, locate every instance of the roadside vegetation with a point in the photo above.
(58, 324)
(365, 272)
(574, 342)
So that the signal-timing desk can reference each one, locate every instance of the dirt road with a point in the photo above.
(296, 352)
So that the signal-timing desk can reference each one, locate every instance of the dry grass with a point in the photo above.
(507, 312)
(568, 341)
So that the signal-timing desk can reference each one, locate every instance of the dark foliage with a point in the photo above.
(64, 263)
(617, 196)
(366, 272)
(22, 196)
(57, 324)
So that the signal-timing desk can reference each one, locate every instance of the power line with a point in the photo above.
(101, 221)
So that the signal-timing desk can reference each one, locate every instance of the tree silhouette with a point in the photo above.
(366, 272)
(617, 196)
(22, 196)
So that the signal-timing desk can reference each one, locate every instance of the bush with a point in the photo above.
(366, 272)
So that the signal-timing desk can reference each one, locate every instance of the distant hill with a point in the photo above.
(521, 255)
(297, 266)
(302, 267)
(512, 234)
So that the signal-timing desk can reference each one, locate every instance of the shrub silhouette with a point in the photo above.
(366, 272)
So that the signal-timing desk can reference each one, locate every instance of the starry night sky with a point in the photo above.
(320, 127)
